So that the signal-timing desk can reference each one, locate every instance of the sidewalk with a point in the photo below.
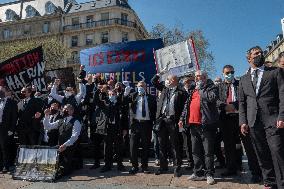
(92, 179)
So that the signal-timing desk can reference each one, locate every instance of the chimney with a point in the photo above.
(282, 22)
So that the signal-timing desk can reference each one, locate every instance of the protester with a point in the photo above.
(281, 60)
(30, 111)
(142, 116)
(69, 131)
(107, 120)
(169, 109)
(229, 124)
(201, 114)
(51, 136)
(189, 86)
(261, 114)
(8, 120)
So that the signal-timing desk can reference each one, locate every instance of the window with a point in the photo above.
(124, 18)
(89, 20)
(76, 23)
(105, 18)
(74, 41)
(105, 37)
(10, 15)
(124, 37)
(89, 39)
(27, 29)
(75, 55)
(49, 7)
(30, 11)
(7, 33)
(45, 27)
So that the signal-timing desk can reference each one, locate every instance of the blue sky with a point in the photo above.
(231, 26)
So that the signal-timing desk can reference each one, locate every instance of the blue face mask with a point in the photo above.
(229, 77)
(112, 98)
(140, 90)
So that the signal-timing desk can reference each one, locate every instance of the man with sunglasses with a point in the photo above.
(229, 126)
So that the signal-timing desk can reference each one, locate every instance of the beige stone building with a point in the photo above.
(275, 47)
(77, 25)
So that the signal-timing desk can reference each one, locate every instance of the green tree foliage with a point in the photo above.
(55, 53)
(177, 34)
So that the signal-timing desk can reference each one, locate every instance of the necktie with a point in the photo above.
(143, 106)
(255, 78)
(25, 104)
(167, 111)
(229, 95)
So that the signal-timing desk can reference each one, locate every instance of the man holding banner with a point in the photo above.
(169, 109)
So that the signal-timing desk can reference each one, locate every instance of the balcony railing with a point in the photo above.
(100, 23)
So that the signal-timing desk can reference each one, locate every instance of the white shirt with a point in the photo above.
(2, 106)
(138, 115)
(234, 99)
(260, 74)
(75, 132)
(45, 137)
(172, 103)
(78, 97)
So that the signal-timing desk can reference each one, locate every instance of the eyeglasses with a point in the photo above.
(231, 72)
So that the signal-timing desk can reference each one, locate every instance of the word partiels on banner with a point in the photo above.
(31, 76)
(122, 56)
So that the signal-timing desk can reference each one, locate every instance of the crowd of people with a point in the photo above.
(188, 118)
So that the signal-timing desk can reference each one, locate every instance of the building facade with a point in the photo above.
(275, 47)
(77, 25)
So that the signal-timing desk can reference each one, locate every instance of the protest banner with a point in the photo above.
(131, 61)
(36, 163)
(23, 70)
(65, 75)
(177, 59)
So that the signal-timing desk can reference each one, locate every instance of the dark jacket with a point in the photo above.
(223, 93)
(27, 121)
(9, 117)
(179, 101)
(123, 111)
(152, 106)
(268, 103)
(208, 106)
(104, 112)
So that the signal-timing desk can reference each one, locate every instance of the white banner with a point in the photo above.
(177, 59)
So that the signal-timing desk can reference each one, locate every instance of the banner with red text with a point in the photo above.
(25, 69)
(131, 61)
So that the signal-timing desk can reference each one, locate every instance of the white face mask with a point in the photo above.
(67, 94)
(167, 83)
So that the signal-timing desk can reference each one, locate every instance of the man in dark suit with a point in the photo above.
(30, 110)
(261, 113)
(229, 125)
(142, 116)
(169, 109)
(8, 120)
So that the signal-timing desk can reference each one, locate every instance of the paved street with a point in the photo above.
(87, 179)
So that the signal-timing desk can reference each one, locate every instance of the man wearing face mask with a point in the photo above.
(261, 114)
(189, 86)
(169, 109)
(69, 95)
(51, 136)
(142, 115)
(201, 114)
(229, 125)
(107, 120)
(30, 110)
(69, 129)
(8, 120)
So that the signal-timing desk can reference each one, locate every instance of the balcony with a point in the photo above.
(101, 23)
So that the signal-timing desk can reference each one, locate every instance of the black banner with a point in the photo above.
(66, 76)
(23, 70)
